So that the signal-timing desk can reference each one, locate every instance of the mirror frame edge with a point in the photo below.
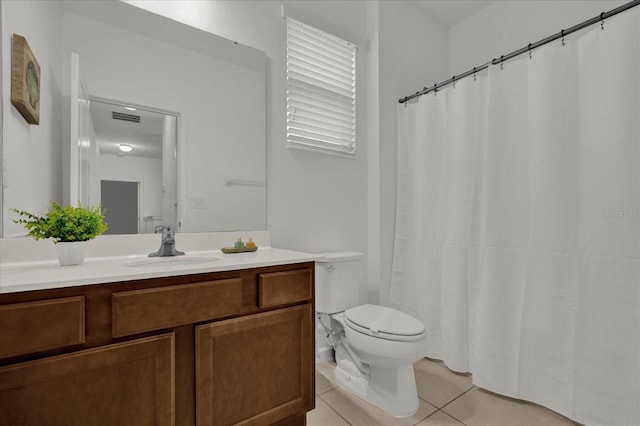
(2, 77)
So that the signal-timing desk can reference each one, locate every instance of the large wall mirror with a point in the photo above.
(163, 123)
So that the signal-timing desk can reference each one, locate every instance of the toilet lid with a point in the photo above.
(384, 322)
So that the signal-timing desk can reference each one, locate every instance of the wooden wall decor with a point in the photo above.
(25, 80)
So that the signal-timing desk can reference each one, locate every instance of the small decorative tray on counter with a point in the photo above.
(237, 250)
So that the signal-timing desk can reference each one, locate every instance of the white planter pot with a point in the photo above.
(71, 253)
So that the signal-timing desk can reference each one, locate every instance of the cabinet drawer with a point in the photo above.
(280, 288)
(152, 309)
(38, 326)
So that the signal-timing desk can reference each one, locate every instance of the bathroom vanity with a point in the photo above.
(220, 343)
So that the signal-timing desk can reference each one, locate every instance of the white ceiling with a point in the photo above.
(145, 137)
(451, 12)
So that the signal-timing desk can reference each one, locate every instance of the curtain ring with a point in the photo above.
(474, 74)
(602, 21)
(501, 63)
(529, 48)
(435, 89)
(562, 34)
(453, 80)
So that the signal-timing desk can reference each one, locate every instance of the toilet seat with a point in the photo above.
(384, 323)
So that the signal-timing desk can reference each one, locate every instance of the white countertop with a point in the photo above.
(39, 275)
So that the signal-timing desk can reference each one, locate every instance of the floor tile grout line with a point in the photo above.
(446, 414)
(454, 418)
(454, 399)
(420, 398)
(426, 417)
(441, 409)
(328, 390)
(450, 401)
(334, 410)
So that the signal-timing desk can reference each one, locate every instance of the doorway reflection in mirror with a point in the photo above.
(132, 166)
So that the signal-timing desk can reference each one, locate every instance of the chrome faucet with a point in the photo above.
(168, 245)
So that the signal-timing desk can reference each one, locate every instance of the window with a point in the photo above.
(321, 90)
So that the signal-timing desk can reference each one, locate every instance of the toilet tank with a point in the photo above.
(338, 277)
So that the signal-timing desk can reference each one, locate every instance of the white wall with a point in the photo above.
(505, 26)
(32, 153)
(316, 202)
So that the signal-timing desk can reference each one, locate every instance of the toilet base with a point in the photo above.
(353, 383)
(390, 389)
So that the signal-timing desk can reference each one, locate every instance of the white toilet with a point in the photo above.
(375, 346)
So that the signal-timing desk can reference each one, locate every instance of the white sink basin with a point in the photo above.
(169, 261)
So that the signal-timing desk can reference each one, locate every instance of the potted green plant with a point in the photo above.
(69, 227)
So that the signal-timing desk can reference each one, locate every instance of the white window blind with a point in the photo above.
(321, 90)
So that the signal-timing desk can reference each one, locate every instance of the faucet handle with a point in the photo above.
(170, 232)
(162, 228)
(167, 232)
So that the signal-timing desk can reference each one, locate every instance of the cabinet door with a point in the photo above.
(129, 383)
(37, 326)
(255, 370)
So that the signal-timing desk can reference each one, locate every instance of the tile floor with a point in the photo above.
(446, 399)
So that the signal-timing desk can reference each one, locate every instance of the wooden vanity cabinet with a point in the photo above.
(223, 348)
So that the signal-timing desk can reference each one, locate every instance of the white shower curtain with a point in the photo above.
(518, 225)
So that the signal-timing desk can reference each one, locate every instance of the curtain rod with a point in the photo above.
(600, 18)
